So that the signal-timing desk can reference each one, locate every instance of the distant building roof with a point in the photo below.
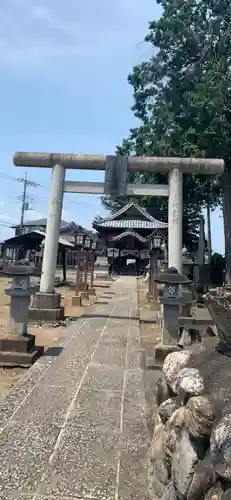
(34, 235)
(39, 222)
(139, 219)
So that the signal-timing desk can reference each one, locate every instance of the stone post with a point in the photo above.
(91, 289)
(77, 299)
(175, 219)
(47, 303)
(77, 272)
(154, 286)
(85, 290)
(52, 230)
(150, 277)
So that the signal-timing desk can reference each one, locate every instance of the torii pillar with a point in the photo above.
(47, 303)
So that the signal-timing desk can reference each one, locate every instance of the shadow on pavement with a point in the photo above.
(53, 351)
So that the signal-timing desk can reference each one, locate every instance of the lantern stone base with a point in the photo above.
(19, 350)
(161, 351)
(46, 307)
(76, 300)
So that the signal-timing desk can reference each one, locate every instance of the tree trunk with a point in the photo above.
(227, 222)
(209, 235)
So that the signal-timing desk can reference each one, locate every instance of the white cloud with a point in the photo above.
(53, 53)
(52, 35)
(33, 215)
(66, 215)
(7, 219)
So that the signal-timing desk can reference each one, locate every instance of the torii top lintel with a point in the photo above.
(205, 166)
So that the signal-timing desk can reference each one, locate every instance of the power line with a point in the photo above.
(18, 179)
(5, 224)
(9, 177)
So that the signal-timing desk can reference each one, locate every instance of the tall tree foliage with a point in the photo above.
(182, 97)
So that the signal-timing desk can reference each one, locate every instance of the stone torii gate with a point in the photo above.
(115, 183)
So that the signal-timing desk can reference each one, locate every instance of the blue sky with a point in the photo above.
(63, 70)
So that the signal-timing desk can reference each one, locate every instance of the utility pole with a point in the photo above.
(25, 203)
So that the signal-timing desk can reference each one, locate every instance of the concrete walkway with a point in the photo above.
(74, 427)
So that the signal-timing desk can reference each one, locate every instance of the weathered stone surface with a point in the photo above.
(167, 408)
(185, 338)
(158, 459)
(162, 390)
(220, 447)
(215, 369)
(210, 331)
(204, 477)
(171, 436)
(200, 416)
(214, 493)
(169, 492)
(173, 363)
(159, 477)
(223, 470)
(178, 418)
(156, 446)
(152, 422)
(190, 381)
(226, 495)
(184, 463)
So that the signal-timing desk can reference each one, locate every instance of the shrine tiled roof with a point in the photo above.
(137, 207)
(133, 222)
(124, 234)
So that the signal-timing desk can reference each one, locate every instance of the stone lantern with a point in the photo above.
(17, 347)
(156, 240)
(172, 302)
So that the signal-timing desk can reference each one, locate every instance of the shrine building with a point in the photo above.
(124, 238)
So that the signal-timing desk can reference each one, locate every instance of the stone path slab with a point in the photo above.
(74, 427)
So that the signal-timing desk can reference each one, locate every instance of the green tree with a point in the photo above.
(182, 98)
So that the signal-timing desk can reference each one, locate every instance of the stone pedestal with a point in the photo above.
(172, 304)
(161, 351)
(170, 322)
(169, 328)
(19, 350)
(46, 307)
(76, 300)
(17, 347)
(19, 309)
